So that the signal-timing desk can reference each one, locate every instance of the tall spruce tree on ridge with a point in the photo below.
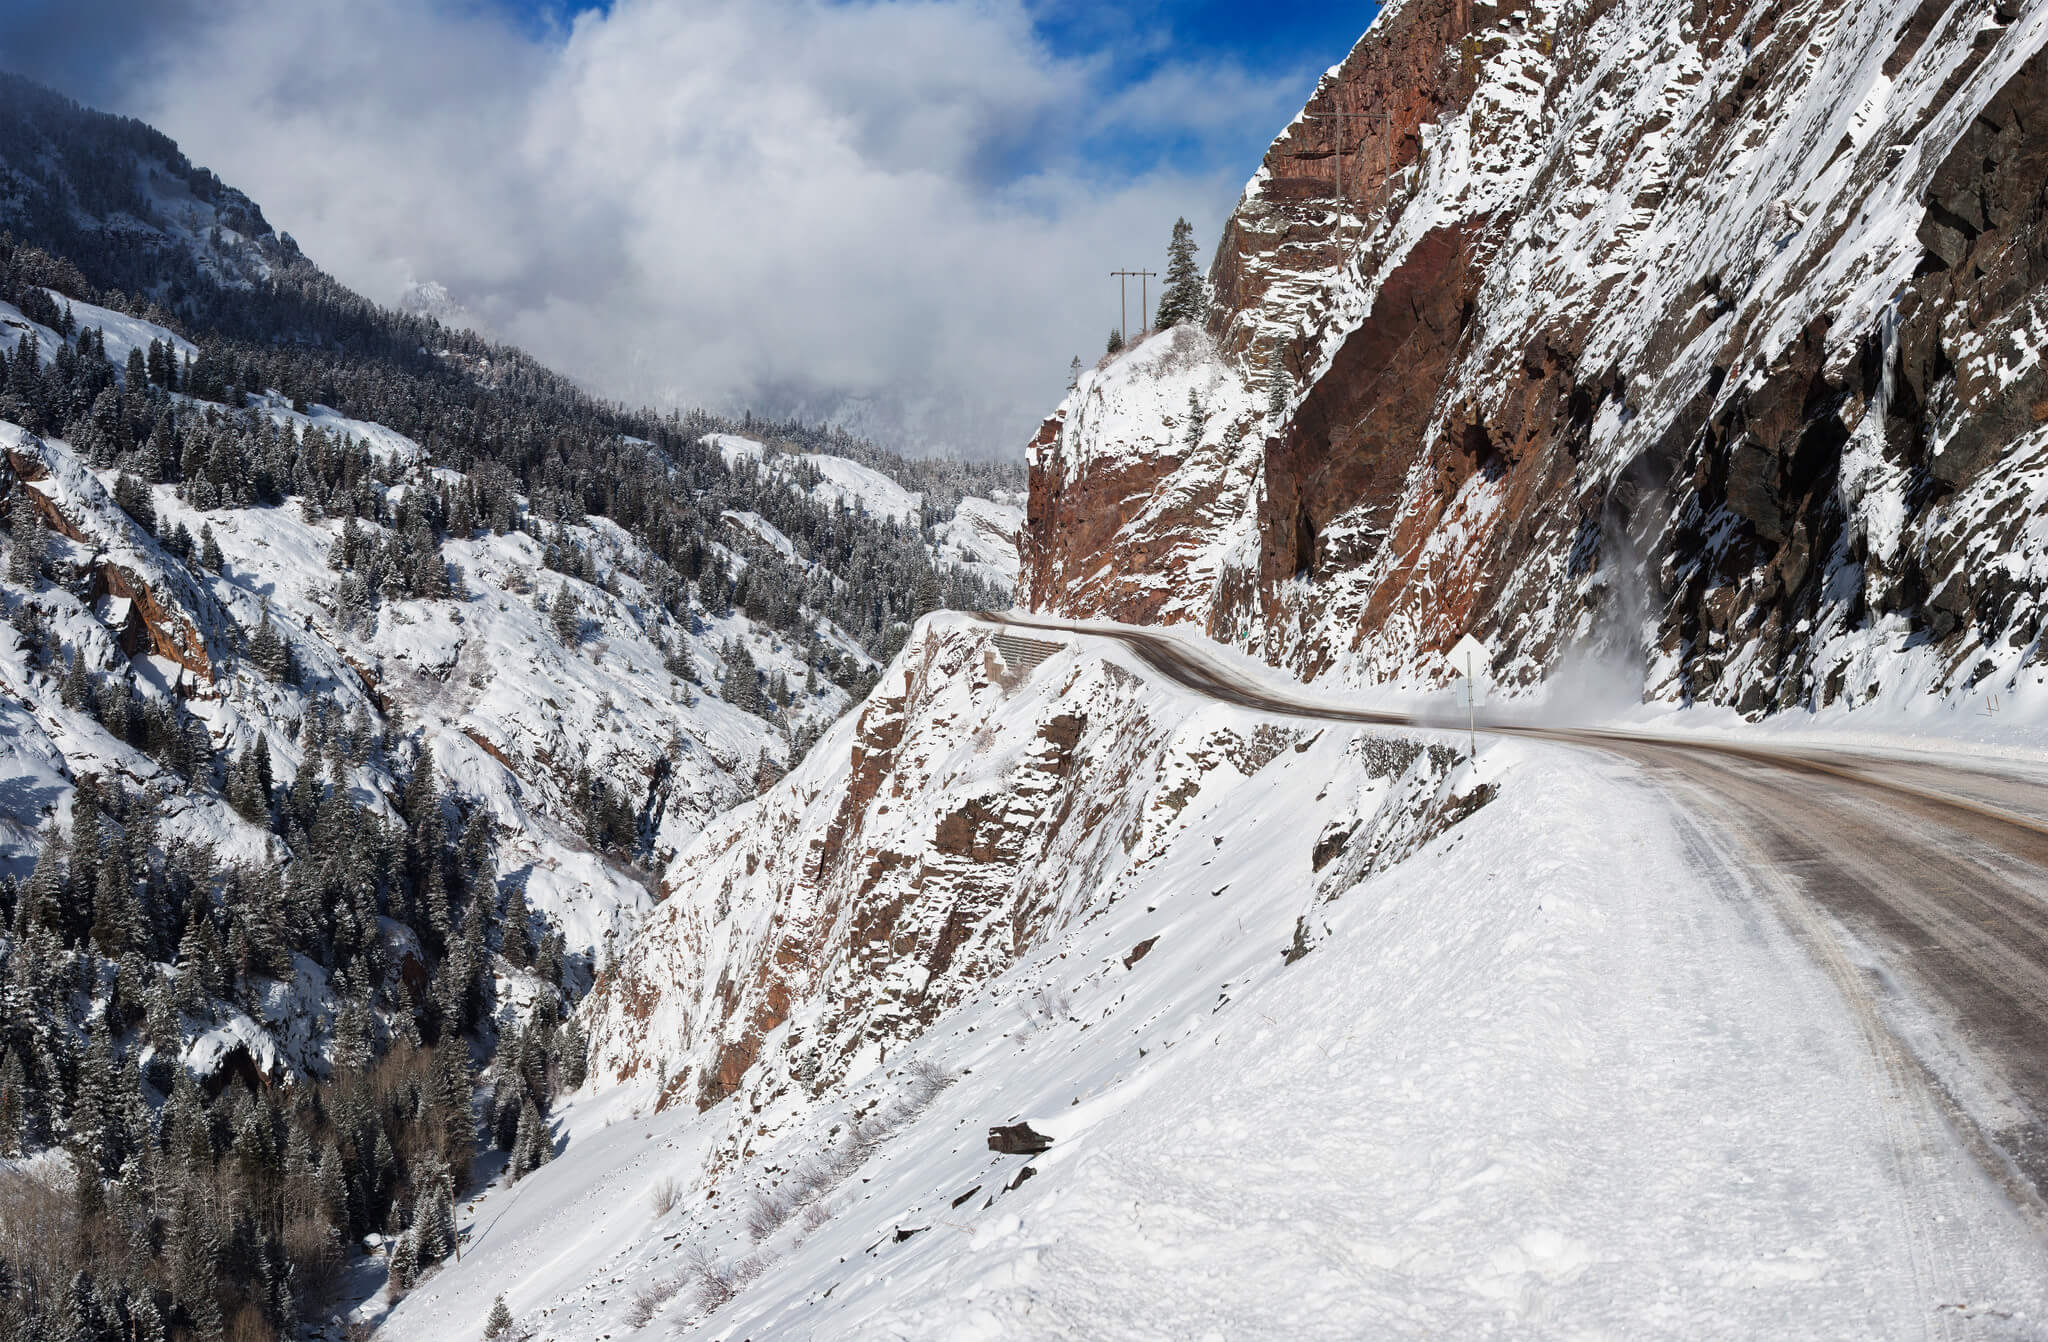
(1183, 298)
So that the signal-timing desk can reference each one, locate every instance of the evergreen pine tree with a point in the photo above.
(500, 1321)
(404, 1268)
(575, 1051)
(42, 899)
(1198, 421)
(1183, 298)
(547, 961)
(532, 1146)
(25, 558)
(516, 935)
(14, 1101)
(210, 557)
(565, 617)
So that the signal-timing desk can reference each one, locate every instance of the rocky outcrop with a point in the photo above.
(963, 816)
(1703, 333)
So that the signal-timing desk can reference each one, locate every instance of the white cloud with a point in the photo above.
(838, 208)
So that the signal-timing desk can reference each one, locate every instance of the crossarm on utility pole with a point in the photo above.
(1123, 315)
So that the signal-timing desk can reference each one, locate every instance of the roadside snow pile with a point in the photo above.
(1321, 1032)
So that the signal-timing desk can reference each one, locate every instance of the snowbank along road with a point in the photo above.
(1919, 883)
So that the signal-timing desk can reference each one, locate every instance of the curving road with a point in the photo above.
(1919, 883)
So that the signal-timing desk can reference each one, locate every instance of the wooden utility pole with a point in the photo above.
(1123, 311)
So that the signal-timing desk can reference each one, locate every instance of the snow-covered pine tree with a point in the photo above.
(25, 558)
(515, 935)
(1198, 421)
(532, 1146)
(269, 651)
(132, 497)
(403, 1270)
(565, 618)
(210, 557)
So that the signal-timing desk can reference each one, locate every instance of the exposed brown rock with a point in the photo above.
(155, 626)
(1018, 1139)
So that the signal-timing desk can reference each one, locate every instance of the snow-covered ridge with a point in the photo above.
(847, 484)
(980, 537)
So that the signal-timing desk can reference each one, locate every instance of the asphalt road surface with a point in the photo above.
(1919, 882)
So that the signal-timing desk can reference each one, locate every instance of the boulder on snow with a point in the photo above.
(1018, 1139)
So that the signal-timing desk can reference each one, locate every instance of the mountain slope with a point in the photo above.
(1047, 998)
(1699, 332)
(1286, 1004)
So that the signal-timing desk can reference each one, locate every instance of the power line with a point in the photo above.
(1123, 315)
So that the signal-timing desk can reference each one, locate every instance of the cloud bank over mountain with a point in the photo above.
(899, 216)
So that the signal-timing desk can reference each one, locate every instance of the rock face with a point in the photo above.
(968, 816)
(1701, 333)
(892, 874)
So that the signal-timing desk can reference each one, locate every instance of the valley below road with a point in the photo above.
(1917, 880)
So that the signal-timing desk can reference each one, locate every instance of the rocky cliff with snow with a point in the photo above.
(1699, 332)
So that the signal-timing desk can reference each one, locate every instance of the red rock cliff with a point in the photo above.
(1701, 332)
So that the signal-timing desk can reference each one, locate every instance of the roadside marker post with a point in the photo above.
(1466, 659)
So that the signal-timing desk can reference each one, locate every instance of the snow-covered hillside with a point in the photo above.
(516, 719)
(360, 681)
(1323, 1032)
(980, 538)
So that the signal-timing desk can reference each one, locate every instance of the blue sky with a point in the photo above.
(1282, 38)
(894, 213)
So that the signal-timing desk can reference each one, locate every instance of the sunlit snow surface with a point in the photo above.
(1537, 1080)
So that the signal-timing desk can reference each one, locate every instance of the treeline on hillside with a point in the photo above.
(567, 453)
(149, 1199)
(227, 1208)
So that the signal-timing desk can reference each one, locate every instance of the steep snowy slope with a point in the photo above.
(1705, 331)
(360, 681)
(1323, 1033)
(981, 537)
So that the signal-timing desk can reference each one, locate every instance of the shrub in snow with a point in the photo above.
(649, 1299)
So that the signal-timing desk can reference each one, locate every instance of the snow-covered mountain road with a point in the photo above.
(1919, 882)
